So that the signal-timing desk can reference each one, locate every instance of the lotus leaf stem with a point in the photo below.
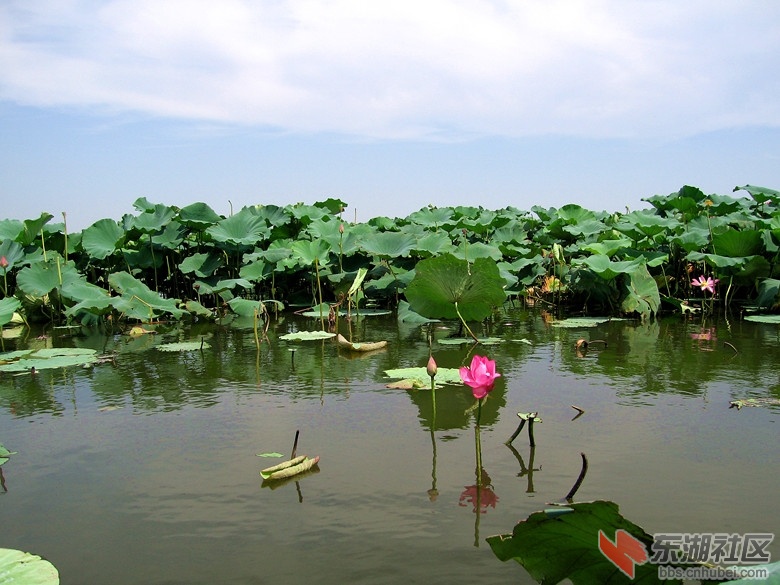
(462, 320)
(580, 479)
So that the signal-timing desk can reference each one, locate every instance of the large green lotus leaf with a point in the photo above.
(607, 247)
(478, 250)
(643, 296)
(10, 229)
(648, 223)
(203, 265)
(442, 281)
(8, 306)
(142, 204)
(256, 271)
(406, 315)
(774, 319)
(608, 269)
(761, 194)
(431, 216)
(80, 291)
(13, 252)
(768, 292)
(307, 213)
(155, 219)
(693, 239)
(102, 238)
(736, 243)
(243, 228)
(134, 290)
(273, 214)
(26, 569)
(587, 228)
(171, 236)
(198, 215)
(41, 278)
(563, 543)
(307, 251)
(389, 244)
(725, 262)
(32, 229)
(95, 305)
(245, 307)
(50, 358)
(333, 205)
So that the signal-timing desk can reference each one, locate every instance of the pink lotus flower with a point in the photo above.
(3, 262)
(480, 497)
(705, 283)
(480, 375)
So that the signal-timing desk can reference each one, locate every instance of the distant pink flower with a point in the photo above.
(705, 283)
(3, 262)
(480, 375)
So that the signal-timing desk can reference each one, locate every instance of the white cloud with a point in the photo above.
(404, 68)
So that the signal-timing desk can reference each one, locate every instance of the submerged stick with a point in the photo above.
(580, 479)
(295, 444)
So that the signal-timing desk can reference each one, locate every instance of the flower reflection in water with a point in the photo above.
(481, 495)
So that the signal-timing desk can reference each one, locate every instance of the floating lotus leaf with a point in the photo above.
(760, 318)
(441, 282)
(576, 322)
(470, 340)
(45, 359)
(421, 378)
(21, 567)
(560, 543)
(183, 346)
(307, 336)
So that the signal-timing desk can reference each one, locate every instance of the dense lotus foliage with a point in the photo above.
(167, 262)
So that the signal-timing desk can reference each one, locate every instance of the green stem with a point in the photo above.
(462, 320)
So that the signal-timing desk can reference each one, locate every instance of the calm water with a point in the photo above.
(145, 471)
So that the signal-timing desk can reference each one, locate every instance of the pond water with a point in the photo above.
(145, 470)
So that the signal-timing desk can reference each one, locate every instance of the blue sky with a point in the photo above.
(388, 106)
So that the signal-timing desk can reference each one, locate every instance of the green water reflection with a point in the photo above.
(144, 469)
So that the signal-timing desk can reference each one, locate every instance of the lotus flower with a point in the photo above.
(705, 283)
(3, 262)
(480, 375)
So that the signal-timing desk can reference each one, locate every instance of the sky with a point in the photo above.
(388, 106)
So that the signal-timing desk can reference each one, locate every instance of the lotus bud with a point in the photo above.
(341, 228)
(3, 262)
(431, 369)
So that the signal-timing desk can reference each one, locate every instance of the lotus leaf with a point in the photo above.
(307, 252)
(608, 269)
(761, 194)
(183, 346)
(558, 544)
(8, 306)
(389, 244)
(243, 228)
(10, 229)
(758, 319)
(49, 358)
(154, 219)
(478, 250)
(462, 340)
(444, 281)
(198, 215)
(13, 253)
(419, 378)
(139, 302)
(21, 567)
(738, 243)
(245, 307)
(577, 322)
(102, 238)
(307, 336)
(643, 296)
(203, 265)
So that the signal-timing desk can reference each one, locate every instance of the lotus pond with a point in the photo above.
(143, 467)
